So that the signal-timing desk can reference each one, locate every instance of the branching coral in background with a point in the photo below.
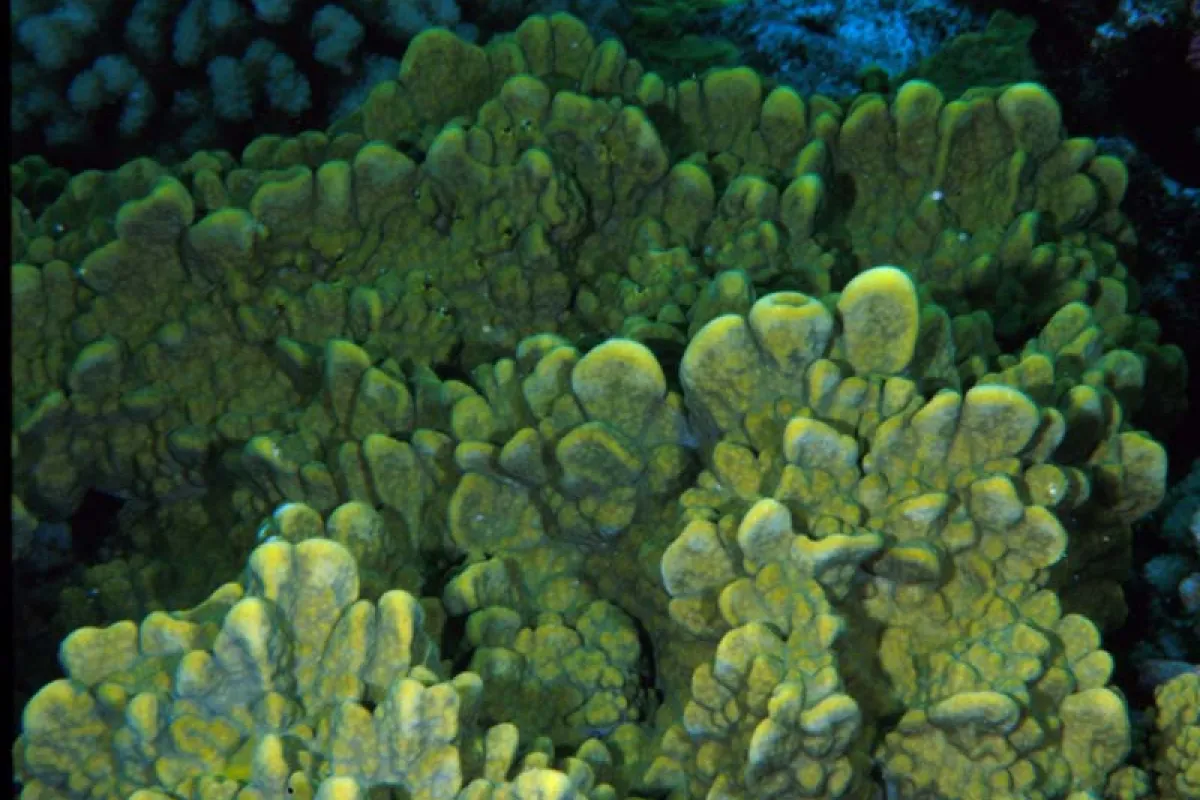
(823, 45)
(160, 77)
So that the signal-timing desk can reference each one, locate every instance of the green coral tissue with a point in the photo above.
(562, 431)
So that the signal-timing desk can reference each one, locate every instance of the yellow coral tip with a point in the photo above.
(880, 316)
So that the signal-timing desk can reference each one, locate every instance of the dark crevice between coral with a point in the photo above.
(452, 644)
(35, 597)
(1123, 642)
(671, 131)
(670, 356)
(1146, 635)
(94, 525)
(647, 667)
(455, 367)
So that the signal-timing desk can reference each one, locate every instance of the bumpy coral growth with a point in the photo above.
(666, 432)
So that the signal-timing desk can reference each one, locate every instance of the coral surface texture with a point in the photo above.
(549, 429)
